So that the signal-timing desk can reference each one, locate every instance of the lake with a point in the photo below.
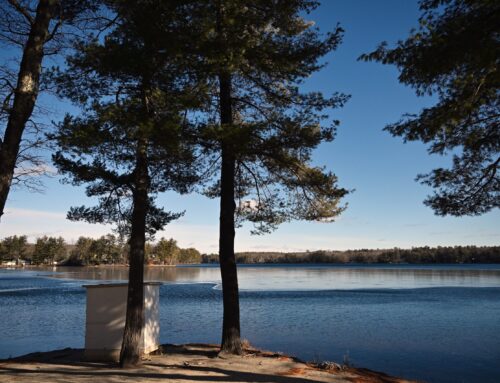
(437, 323)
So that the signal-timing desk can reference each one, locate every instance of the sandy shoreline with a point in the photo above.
(182, 364)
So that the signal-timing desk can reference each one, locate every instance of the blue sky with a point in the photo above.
(384, 211)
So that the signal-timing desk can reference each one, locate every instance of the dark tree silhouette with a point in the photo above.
(38, 28)
(265, 128)
(455, 54)
(132, 141)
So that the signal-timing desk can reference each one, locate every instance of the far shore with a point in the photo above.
(298, 264)
(18, 251)
(189, 363)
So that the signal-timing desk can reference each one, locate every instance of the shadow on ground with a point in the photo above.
(186, 363)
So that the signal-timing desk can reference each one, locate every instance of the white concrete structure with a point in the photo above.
(105, 320)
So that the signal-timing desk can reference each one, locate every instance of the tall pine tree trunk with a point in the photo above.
(130, 354)
(231, 342)
(25, 96)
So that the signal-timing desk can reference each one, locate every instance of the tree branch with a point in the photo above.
(22, 11)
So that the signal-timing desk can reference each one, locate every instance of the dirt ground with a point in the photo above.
(194, 363)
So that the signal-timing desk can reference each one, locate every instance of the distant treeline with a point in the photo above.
(86, 251)
(447, 254)
(109, 249)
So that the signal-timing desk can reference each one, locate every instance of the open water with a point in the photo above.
(438, 323)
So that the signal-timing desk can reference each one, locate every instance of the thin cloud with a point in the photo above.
(34, 214)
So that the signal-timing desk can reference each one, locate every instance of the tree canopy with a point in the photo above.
(261, 128)
(267, 50)
(111, 81)
(132, 140)
(454, 55)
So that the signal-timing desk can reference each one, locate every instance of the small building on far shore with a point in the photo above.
(9, 263)
(16, 262)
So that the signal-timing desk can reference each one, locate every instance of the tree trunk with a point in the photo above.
(130, 354)
(25, 95)
(231, 342)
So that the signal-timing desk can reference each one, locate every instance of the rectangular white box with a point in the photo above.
(105, 320)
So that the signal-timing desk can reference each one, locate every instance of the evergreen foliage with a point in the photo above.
(49, 250)
(261, 127)
(132, 140)
(415, 255)
(13, 248)
(267, 51)
(455, 55)
(108, 249)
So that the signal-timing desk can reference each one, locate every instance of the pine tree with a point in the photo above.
(258, 52)
(132, 140)
(455, 55)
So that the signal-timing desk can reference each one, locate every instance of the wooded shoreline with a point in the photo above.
(416, 255)
(107, 250)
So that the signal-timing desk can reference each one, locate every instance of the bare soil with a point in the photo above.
(192, 363)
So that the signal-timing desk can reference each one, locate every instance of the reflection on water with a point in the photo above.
(322, 277)
(378, 315)
(118, 273)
